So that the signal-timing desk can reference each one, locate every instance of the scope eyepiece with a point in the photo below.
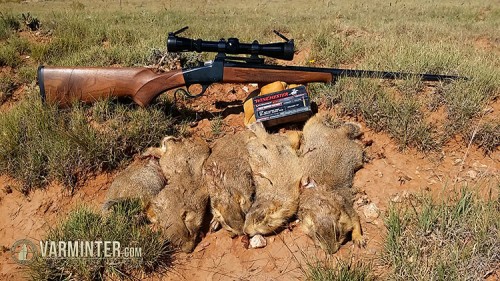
(283, 50)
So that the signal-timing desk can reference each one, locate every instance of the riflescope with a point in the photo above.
(283, 50)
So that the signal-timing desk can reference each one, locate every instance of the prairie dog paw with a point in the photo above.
(358, 240)
(214, 225)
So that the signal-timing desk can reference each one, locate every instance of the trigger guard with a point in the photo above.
(186, 92)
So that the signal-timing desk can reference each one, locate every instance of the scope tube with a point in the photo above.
(283, 50)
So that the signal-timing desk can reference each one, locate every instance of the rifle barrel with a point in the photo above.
(390, 75)
(339, 72)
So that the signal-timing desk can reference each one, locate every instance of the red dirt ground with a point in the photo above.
(388, 177)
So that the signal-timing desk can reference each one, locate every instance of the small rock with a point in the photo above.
(398, 198)
(363, 200)
(380, 174)
(258, 241)
(7, 189)
(371, 211)
(245, 88)
(457, 161)
(479, 167)
(472, 174)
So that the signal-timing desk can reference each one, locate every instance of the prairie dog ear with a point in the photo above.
(307, 182)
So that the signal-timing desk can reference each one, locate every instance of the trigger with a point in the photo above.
(204, 87)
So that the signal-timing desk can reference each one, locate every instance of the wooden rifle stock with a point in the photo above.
(63, 86)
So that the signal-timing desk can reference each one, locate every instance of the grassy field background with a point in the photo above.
(40, 144)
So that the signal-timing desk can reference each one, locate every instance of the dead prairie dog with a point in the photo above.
(180, 207)
(228, 177)
(142, 179)
(328, 152)
(276, 172)
(328, 217)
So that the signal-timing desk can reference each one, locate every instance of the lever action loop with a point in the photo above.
(188, 94)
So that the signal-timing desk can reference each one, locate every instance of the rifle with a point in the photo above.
(62, 85)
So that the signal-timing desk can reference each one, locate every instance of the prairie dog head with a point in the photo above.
(326, 216)
(180, 228)
(265, 217)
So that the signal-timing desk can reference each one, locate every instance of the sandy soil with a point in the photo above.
(389, 176)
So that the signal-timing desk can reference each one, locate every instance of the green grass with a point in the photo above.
(123, 224)
(217, 126)
(40, 144)
(339, 271)
(399, 116)
(454, 238)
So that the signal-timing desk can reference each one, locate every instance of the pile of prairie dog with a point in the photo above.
(251, 182)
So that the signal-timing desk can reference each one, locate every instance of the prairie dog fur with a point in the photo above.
(228, 177)
(180, 207)
(142, 179)
(328, 217)
(329, 154)
(277, 173)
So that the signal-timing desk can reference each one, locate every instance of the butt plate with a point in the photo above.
(40, 82)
